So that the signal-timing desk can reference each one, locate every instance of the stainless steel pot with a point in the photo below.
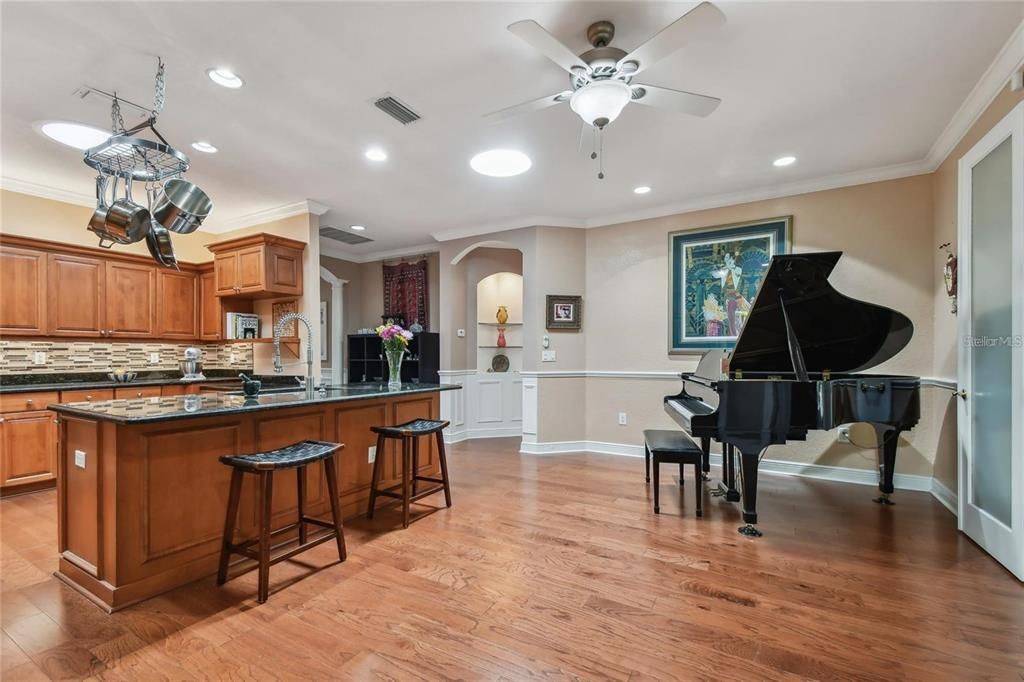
(182, 206)
(128, 219)
(97, 223)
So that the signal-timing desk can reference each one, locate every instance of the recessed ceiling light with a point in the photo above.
(642, 189)
(500, 163)
(784, 161)
(225, 77)
(376, 154)
(204, 147)
(360, 228)
(74, 135)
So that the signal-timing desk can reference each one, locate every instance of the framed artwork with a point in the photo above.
(564, 312)
(714, 275)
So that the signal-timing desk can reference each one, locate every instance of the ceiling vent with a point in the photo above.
(343, 236)
(396, 110)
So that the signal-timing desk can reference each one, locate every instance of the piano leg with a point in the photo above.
(647, 464)
(888, 438)
(749, 462)
(727, 487)
(705, 446)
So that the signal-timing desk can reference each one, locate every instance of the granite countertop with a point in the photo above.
(146, 410)
(24, 383)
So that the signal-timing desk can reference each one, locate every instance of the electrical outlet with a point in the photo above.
(843, 436)
(372, 454)
(548, 356)
(233, 358)
(622, 418)
(80, 459)
(460, 332)
(39, 358)
(154, 358)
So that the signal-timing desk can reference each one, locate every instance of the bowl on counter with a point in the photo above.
(123, 377)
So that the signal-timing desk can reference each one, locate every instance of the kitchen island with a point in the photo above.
(142, 496)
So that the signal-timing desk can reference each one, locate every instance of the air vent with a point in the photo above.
(396, 110)
(343, 236)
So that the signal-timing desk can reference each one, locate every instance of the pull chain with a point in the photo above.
(600, 153)
(116, 119)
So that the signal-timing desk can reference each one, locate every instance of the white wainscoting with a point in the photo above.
(490, 404)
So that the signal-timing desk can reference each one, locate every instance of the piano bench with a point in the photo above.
(673, 447)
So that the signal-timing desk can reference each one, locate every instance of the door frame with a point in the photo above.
(971, 520)
(337, 313)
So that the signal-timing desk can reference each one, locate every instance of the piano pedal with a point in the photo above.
(884, 499)
(750, 531)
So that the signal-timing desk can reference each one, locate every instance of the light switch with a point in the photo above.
(460, 332)
(80, 459)
(547, 356)
(39, 358)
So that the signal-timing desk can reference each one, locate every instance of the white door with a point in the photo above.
(991, 356)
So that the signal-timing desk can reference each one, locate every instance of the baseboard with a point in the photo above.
(461, 434)
(820, 471)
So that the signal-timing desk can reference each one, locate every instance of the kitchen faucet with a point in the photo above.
(278, 330)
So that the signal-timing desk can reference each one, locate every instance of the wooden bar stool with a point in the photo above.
(264, 464)
(673, 447)
(409, 433)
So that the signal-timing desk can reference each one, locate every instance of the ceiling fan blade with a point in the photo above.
(534, 34)
(675, 100)
(526, 107)
(704, 17)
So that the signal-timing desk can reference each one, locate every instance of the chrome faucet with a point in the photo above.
(278, 330)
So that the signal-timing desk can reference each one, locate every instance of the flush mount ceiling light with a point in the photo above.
(783, 161)
(358, 228)
(74, 135)
(500, 163)
(204, 147)
(642, 189)
(226, 78)
(600, 102)
(376, 154)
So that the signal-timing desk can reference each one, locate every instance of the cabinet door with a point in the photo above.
(75, 288)
(23, 295)
(29, 442)
(130, 296)
(225, 269)
(284, 270)
(209, 307)
(177, 294)
(251, 275)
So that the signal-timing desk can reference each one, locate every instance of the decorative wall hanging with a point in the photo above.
(714, 274)
(279, 310)
(949, 275)
(564, 312)
(405, 291)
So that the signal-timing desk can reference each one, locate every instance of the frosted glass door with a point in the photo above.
(990, 417)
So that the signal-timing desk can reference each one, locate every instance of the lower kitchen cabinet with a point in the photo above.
(127, 393)
(28, 441)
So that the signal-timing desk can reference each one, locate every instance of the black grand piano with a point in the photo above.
(797, 367)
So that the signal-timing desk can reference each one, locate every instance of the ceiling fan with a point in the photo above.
(602, 78)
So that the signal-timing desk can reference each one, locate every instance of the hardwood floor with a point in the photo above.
(555, 567)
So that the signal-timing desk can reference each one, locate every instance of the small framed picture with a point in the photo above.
(564, 312)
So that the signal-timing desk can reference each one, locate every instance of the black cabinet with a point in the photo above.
(367, 364)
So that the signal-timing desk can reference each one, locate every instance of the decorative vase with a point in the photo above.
(395, 368)
(501, 337)
(502, 315)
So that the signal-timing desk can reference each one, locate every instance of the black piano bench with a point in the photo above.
(673, 447)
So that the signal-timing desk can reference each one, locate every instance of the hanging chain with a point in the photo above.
(160, 88)
(116, 119)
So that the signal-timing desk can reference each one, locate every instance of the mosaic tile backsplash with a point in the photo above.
(63, 357)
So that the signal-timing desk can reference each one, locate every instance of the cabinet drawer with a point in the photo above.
(87, 395)
(175, 389)
(137, 392)
(23, 402)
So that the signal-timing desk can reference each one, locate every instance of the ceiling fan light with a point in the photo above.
(600, 102)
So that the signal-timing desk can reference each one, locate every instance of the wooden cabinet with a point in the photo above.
(213, 307)
(87, 395)
(28, 442)
(258, 266)
(177, 297)
(23, 292)
(130, 300)
(132, 392)
(75, 300)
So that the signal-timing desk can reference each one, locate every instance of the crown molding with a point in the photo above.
(337, 251)
(1009, 59)
(269, 215)
(47, 192)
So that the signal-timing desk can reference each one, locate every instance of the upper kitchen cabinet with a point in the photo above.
(23, 294)
(177, 298)
(75, 299)
(130, 297)
(258, 266)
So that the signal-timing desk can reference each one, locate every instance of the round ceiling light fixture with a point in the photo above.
(75, 135)
(204, 147)
(642, 189)
(358, 228)
(225, 78)
(376, 154)
(600, 102)
(784, 161)
(501, 163)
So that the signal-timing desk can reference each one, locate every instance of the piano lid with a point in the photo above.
(833, 331)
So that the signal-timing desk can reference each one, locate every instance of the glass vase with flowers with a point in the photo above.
(395, 340)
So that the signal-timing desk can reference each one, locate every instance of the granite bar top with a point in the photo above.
(24, 383)
(172, 408)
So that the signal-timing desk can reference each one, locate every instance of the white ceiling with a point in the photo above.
(843, 86)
